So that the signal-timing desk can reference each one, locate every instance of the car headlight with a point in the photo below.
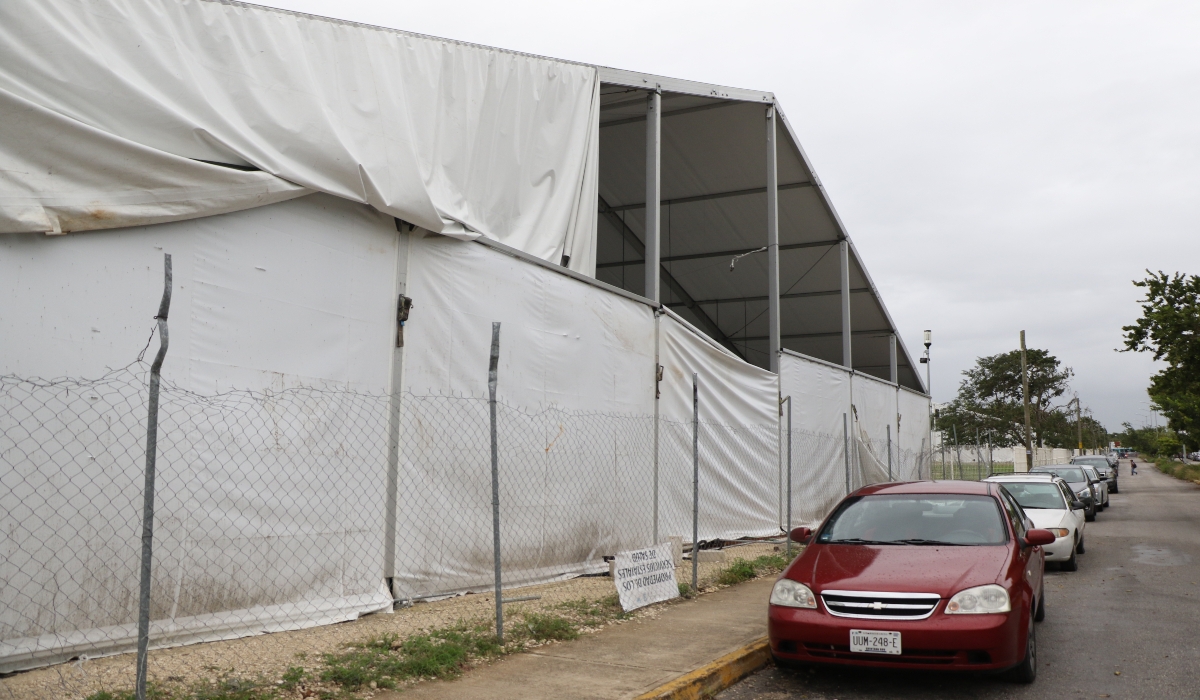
(1059, 531)
(792, 594)
(979, 600)
(1082, 493)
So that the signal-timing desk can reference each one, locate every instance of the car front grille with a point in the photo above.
(874, 605)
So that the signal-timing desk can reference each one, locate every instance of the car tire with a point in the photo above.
(786, 663)
(1041, 607)
(1089, 515)
(1115, 488)
(1079, 547)
(1026, 671)
(1071, 564)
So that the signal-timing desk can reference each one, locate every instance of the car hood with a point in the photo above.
(899, 568)
(1047, 517)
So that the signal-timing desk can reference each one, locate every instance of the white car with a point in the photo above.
(1099, 484)
(1048, 501)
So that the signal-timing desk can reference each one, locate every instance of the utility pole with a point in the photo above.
(929, 388)
(1025, 394)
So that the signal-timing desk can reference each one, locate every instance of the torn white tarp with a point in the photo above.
(459, 139)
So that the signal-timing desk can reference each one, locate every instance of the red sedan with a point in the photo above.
(925, 575)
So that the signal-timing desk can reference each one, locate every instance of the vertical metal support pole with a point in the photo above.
(846, 448)
(789, 478)
(893, 363)
(957, 453)
(657, 385)
(143, 637)
(396, 382)
(1025, 396)
(653, 191)
(773, 243)
(844, 248)
(493, 363)
(695, 480)
(889, 448)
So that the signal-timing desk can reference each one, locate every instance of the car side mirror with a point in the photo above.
(801, 534)
(1038, 537)
(1077, 505)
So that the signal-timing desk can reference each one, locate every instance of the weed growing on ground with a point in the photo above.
(1179, 470)
(593, 613)
(224, 688)
(745, 569)
(382, 661)
(544, 627)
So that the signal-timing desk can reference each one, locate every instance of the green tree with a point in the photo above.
(990, 399)
(1170, 329)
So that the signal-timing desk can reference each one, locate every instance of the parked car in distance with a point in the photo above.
(932, 575)
(1099, 485)
(1102, 466)
(1078, 481)
(1050, 504)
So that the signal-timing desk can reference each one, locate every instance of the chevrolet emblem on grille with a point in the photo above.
(878, 606)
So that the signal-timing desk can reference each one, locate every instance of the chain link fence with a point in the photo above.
(272, 511)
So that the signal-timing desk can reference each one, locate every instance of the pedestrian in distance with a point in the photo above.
(1132, 468)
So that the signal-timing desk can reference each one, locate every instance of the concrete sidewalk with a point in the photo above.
(620, 661)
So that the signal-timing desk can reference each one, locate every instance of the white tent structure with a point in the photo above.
(305, 173)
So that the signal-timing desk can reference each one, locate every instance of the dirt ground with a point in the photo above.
(268, 656)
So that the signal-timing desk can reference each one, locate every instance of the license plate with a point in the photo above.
(874, 642)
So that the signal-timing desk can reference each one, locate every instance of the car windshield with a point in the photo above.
(1072, 475)
(1038, 494)
(1095, 462)
(931, 519)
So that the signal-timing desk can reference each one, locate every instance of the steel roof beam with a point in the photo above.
(717, 254)
(797, 336)
(793, 295)
(715, 195)
(709, 326)
(672, 113)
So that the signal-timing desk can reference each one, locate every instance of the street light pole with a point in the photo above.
(929, 389)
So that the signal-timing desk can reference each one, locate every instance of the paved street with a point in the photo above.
(1133, 608)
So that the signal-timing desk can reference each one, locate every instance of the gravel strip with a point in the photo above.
(268, 656)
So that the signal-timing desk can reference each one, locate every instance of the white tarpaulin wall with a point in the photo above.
(575, 426)
(107, 108)
(820, 398)
(874, 412)
(739, 439)
(913, 449)
(269, 502)
(821, 393)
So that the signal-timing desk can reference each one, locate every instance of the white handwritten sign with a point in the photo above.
(645, 576)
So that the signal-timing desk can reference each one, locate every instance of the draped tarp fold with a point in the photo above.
(110, 103)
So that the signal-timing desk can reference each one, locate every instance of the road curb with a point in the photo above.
(712, 678)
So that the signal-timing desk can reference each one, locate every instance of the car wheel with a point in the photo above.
(1026, 671)
(1041, 608)
(1071, 564)
(1079, 547)
(1114, 489)
(1090, 514)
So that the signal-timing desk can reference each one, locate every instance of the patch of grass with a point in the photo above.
(292, 677)
(1179, 470)
(230, 689)
(745, 569)
(544, 627)
(740, 570)
(686, 590)
(385, 660)
(593, 613)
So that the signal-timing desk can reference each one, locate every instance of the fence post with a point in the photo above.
(493, 362)
(789, 478)
(143, 638)
(889, 448)
(846, 448)
(695, 480)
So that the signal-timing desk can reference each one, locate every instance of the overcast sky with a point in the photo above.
(1000, 165)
